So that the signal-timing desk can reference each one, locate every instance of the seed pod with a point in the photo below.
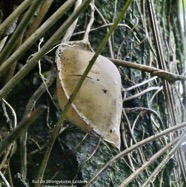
(98, 105)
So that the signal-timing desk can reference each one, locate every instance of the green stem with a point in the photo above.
(20, 29)
(10, 19)
(37, 21)
(49, 44)
(36, 35)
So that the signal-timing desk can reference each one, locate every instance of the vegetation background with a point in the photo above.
(150, 35)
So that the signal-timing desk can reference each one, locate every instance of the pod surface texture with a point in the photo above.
(97, 107)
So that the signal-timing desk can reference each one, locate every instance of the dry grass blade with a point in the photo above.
(176, 141)
(131, 148)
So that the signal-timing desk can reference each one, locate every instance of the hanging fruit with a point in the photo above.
(97, 107)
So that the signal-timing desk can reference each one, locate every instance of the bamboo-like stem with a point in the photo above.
(37, 21)
(57, 128)
(133, 147)
(11, 71)
(18, 32)
(11, 18)
(36, 35)
(33, 61)
(71, 29)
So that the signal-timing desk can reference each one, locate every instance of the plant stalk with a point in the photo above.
(11, 18)
(33, 61)
(36, 35)
(18, 32)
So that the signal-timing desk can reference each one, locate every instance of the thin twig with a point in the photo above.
(25, 123)
(109, 40)
(141, 93)
(139, 84)
(150, 161)
(13, 113)
(128, 150)
(7, 156)
(125, 39)
(132, 135)
(4, 180)
(147, 110)
(100, 27)
(91, 21)
(95, 150)
(164, 161)
(153, 96)
(171, 77)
